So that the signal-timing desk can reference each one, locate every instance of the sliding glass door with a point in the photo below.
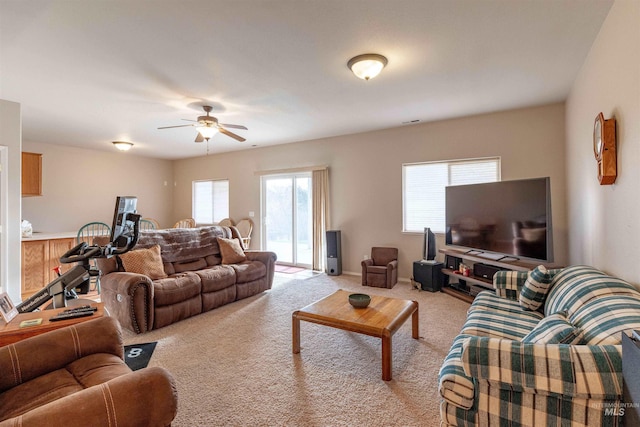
(287, 217)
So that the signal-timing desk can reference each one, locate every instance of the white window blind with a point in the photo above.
(210, 201)
(423, 188)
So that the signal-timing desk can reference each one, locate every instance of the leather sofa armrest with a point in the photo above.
(41, 354)
(267, 258)
(129, 298)
(146, 397)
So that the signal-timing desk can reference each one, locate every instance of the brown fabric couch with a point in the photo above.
(76, 376)
(196, 281)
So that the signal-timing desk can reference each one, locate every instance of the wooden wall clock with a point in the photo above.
(604, 148)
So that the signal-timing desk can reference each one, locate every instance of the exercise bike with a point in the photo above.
(62, 287)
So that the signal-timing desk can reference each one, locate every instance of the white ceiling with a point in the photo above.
(90, 72)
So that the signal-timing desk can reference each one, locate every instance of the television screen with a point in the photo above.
(512, 218)
(429, 245)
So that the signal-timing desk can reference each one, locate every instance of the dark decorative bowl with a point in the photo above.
(359, 300)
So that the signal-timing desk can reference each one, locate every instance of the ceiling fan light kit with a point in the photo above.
(207, 126)
(367, 66)
(207, 131)
(122, 145)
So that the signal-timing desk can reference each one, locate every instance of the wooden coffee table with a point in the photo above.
(382, 318)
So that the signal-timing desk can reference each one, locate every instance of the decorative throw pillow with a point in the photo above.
(144, 261)
(231, 251)
(554, 329)
(535, 288)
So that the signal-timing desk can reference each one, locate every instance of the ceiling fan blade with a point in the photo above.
(199, 138)
(169, 127)
(233, 126)
(231, 134)
(188, 120)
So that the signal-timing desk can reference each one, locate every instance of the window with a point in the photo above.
(210, 201)
(423, 185)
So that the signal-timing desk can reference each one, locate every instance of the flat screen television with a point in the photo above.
(429, 245)
(123, 221)
(506, 219)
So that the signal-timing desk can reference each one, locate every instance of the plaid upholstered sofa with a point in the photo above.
(557, 365)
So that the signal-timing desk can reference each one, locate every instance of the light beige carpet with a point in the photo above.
(234, 366)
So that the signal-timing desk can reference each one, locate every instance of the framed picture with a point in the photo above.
(7, 309)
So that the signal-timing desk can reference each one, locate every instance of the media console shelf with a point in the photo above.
(467, 293)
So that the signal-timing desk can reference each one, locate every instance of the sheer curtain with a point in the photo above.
(320, 182)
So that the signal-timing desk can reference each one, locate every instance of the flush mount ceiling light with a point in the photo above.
(367, 66)
(122, 145)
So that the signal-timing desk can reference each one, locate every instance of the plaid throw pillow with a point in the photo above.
(554, 329)
(535, 288)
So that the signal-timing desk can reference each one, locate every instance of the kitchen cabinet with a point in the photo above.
(31, 174)
(39, 257)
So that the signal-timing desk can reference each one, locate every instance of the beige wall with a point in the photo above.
(605, 220)
(366, 173)
(80, 186)
(10, 139)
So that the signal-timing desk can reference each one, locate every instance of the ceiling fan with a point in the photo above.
(207, 126)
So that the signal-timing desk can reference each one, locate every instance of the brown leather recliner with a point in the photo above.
(381, 270)
(76, 376)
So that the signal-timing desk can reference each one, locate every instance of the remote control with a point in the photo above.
(65, 316)
(78, 310)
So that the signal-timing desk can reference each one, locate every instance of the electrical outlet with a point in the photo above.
(251, 214)
(365, 257)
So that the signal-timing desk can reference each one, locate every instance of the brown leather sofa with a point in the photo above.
(76, 376)
(197, 280)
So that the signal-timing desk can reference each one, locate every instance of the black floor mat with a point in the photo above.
(137, 356)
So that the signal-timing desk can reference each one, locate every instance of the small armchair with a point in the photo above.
(381, 270)
(76, 376)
